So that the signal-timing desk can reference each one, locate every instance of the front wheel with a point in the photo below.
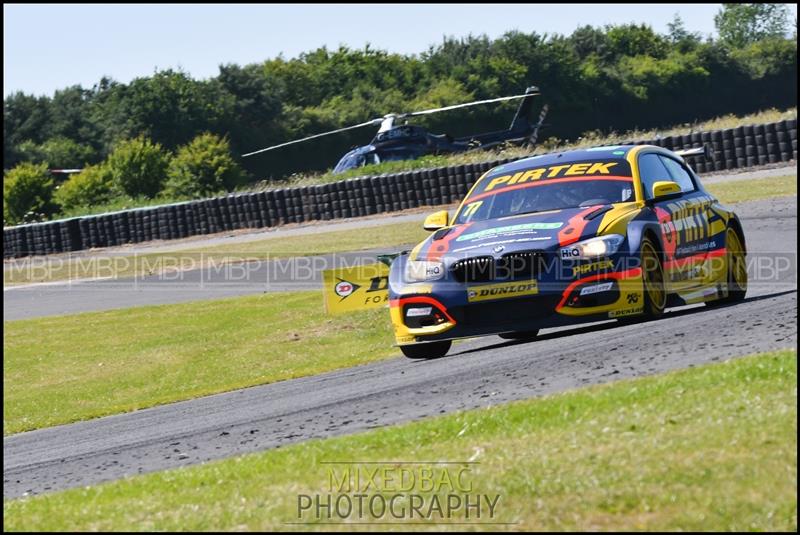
(655, 293)
(429, 350)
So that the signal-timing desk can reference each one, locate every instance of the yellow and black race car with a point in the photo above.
(607, 232)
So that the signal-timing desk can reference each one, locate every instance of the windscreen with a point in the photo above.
(544, 188)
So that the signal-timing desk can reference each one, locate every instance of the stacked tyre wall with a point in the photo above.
(743, 146)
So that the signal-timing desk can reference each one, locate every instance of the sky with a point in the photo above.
(49, 47)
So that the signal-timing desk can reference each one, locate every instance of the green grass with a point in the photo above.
(66, 368)
(754, 190)
(712, 448)
(59, 268)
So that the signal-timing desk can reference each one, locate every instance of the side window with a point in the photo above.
(679, 174)
(651, 170)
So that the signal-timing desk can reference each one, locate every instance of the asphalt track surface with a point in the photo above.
(477, 373)
(210, 282)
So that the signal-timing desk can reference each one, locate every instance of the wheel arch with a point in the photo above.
(645, 228)
(736, 225)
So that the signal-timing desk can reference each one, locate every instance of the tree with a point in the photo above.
(680, 36)
(92, 186)
(27, 193)
(139, 167)
(741, 24)
(203, 167)
(57, 152)
(25, 117)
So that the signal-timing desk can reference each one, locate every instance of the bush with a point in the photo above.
(27, 193)
(203, 167)
(93, 185)
(139, 167)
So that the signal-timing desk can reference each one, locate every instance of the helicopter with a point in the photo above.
(395, 141)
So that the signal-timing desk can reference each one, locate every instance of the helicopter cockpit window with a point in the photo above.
(350, 162)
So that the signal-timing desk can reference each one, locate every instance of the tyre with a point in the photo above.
(430, 350)
(520, 335)
(736, 267)
(655, 294)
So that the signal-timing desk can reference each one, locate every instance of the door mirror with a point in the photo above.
(665, 189)
(436, 220)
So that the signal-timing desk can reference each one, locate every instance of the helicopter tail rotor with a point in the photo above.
(535, 134)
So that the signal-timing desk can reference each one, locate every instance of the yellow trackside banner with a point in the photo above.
(356, 288)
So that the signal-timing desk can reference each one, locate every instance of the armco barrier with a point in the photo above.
(743, 146)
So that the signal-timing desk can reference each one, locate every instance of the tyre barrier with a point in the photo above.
(742, 146)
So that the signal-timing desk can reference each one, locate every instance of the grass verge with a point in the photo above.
(755, 190)
(712, 448)
(66, 368)
(57, 268)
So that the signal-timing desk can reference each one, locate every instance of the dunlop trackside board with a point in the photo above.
(356, 288)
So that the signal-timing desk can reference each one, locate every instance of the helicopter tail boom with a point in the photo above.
(520, 122)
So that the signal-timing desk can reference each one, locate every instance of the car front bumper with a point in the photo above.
(467, 310)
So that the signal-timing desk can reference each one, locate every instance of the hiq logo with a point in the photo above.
(432, 271)
(569, 252)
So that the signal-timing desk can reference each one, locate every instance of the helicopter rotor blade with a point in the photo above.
(372, 122)
(465, 105)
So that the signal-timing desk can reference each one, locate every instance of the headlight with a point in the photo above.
(594, 247)
(423, 271)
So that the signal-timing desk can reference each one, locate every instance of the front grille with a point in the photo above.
(478, 269)
(523, 265)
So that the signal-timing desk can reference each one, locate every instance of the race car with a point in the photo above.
(585, 235)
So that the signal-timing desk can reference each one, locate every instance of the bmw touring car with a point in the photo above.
(608, 232)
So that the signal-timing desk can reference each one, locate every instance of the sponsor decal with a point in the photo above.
(625, 312)
(510, 230)
(355, 288)
(695, 248)
(416, 312)
(502, 291)
(594, 266)
(633, 298)
(694, 273)
(554, 171)
(597, 288)
(570, 252)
